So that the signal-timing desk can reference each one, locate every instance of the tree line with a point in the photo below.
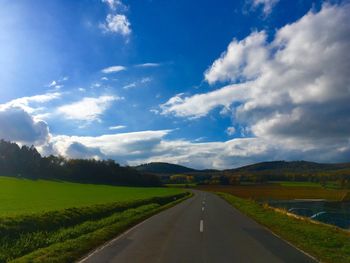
(26, 162)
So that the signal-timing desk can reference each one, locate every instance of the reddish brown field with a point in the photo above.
(277, 192)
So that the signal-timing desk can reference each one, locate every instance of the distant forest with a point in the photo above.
(26, 162)
(299, 171)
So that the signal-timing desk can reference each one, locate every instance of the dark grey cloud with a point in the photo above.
(17, 125)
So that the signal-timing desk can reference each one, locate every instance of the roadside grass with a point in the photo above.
(278, 192)
(18, 196)
(64, 236)
(326, 243)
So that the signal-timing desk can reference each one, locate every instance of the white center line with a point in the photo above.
(201, 227)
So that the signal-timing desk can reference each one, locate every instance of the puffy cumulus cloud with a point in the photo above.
(291, 91)
(122, 147)
(87, 109)
(118, 23)
(242, 59)
(146, 146)
(151, 146)
(200, 104)
(77, 150)
(18, 125)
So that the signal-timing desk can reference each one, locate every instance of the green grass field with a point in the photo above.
(18, 196)
(47, 221)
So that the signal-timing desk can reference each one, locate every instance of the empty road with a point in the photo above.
(201, 229)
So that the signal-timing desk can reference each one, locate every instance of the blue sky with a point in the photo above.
(205, 84)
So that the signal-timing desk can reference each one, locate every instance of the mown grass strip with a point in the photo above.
(325, 242)
(71, 243)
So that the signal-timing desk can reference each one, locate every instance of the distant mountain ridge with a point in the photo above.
(285, 166)
(163, 168)
(293, 166)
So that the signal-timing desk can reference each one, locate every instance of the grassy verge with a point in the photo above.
(326, 243)
(64, 236)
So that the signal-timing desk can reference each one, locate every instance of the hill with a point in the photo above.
(163, 168)
(294, 167)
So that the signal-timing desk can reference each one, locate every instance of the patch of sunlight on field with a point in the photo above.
(19, 196)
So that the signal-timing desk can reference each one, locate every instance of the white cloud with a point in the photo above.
(230, 130)
(96, 85)
(200, 104)
(77, 150)
(113, 4)
(267, 5)
(118, 127)
(242, 60)
(52, 84)
(30, 103)
(113, 69)
(87, 109)
(292, 92)
(130, 85)
(121, 147)
(145, 80)
(57, 84)
(148, 65)
(137, 83)
(118, 23)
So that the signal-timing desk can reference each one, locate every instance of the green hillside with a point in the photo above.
(163, 168)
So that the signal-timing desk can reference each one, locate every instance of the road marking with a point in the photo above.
(201, 227)
(203, 208)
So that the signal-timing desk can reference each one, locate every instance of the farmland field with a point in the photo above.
(278, 192)
(18, 196)
(46, 221)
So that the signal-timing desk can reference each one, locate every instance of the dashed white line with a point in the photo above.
(201, 226)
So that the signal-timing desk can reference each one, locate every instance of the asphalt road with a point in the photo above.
(202, 229)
